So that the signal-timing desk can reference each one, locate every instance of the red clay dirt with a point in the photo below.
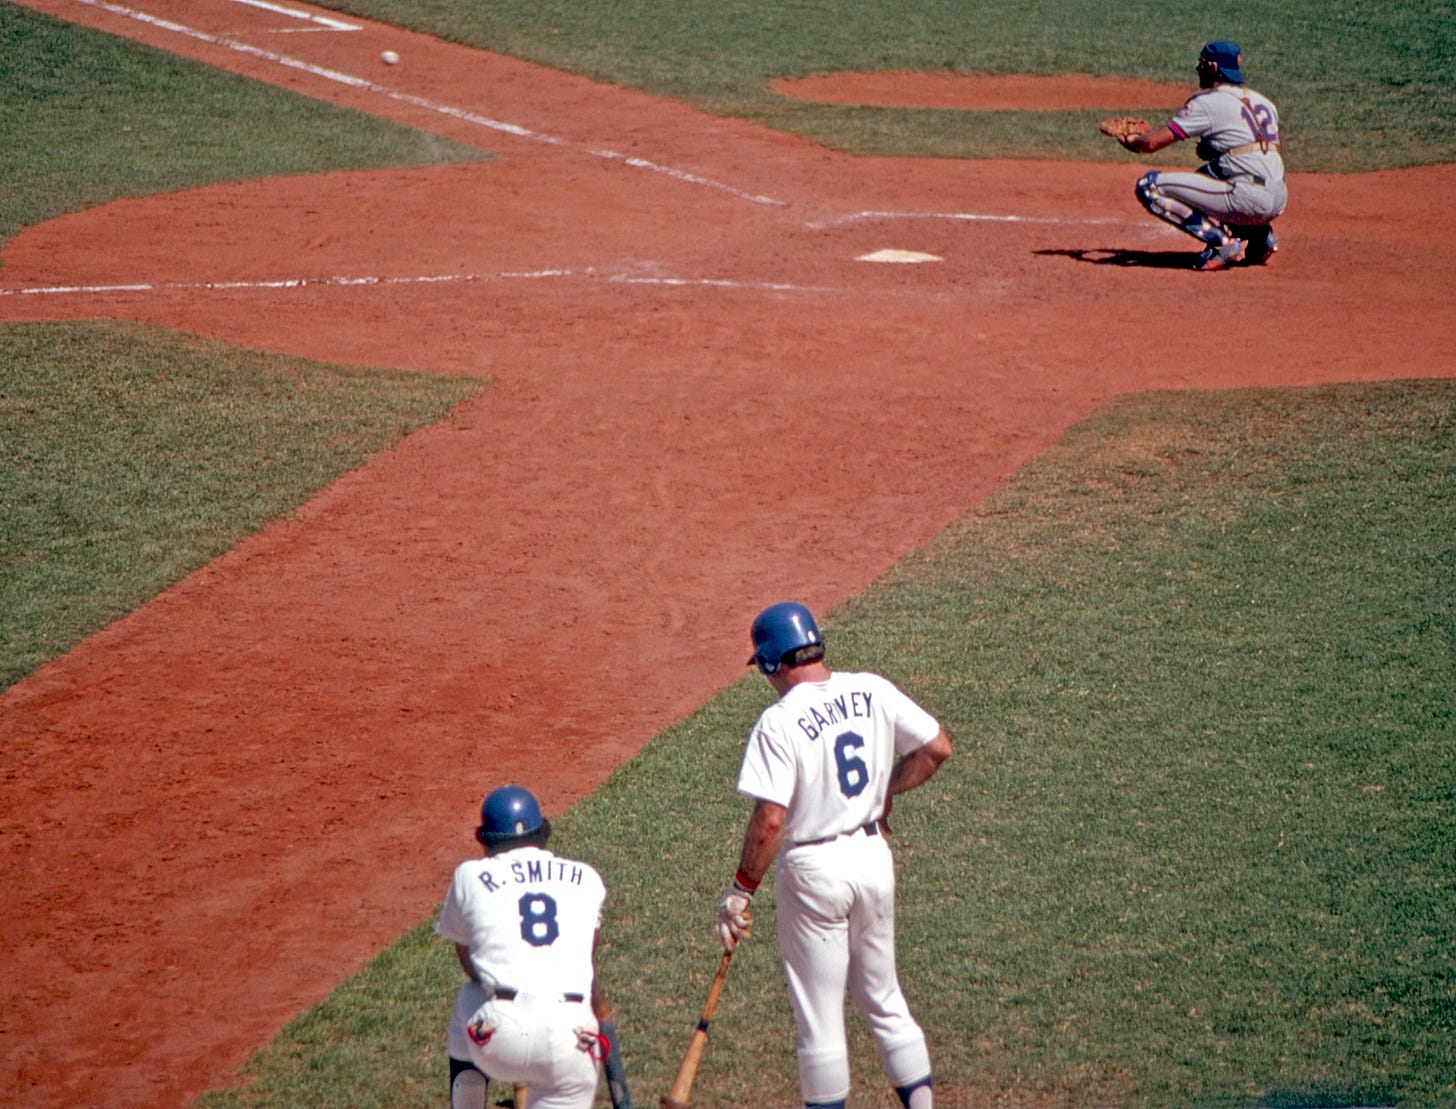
(220, 806)
(982, 92)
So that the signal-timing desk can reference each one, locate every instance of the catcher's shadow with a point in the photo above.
(1109, 256)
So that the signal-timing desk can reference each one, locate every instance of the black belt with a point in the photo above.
(505, 993)
(870, 829)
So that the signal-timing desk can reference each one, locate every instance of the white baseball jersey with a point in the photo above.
(825, 751)
(1230, 117)
(529, 919)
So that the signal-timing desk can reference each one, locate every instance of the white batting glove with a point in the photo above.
(735, 921)
(594, 1043)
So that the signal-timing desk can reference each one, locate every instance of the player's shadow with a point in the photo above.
(1109, 256)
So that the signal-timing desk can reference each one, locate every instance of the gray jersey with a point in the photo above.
(1237, 131)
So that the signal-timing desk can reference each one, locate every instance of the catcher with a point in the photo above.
(1230, 203)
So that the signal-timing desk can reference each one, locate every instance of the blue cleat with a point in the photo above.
(1220, 257)
(1261, 253)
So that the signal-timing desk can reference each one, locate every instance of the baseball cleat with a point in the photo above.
(1260, 254)
(1216, 258)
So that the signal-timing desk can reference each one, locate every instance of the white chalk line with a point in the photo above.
(301, 30)
(340, 281)
(965, 217)
(500, 126)
(421, 102)
(325, 23)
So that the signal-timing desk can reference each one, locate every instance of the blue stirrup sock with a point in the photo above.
(907, 1092)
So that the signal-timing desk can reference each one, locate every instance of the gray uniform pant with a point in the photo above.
(1242, 201)
(1208, 207)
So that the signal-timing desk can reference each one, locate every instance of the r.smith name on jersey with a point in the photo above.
(534, 872)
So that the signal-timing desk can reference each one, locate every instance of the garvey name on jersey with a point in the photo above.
(835, 711)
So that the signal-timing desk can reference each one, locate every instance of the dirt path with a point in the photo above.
(705, 402)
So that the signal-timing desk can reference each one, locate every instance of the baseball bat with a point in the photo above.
(518, 1096)
(682, 1086)
(612, 1068)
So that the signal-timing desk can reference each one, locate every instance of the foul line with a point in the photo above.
(418, 101)
(324, 22)
(589, 273)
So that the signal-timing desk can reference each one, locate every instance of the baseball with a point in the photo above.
(389, 57)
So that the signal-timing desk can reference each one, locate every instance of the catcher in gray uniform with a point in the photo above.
(1231, 202)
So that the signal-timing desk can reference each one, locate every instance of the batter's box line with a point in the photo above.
(286, 283)
(966, 217)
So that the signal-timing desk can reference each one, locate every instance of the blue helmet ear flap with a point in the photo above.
(778, 630)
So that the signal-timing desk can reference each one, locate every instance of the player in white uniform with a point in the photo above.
(822, 765)
(1231, 202)
(525, 926)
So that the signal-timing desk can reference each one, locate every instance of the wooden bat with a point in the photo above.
(518, 1096)
(682, 1086)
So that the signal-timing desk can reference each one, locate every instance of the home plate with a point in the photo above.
(899, 256)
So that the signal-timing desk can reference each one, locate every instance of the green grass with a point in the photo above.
(87, 117)
(131, 456)
(1362, 84)
(1196, 848)
(128, 457)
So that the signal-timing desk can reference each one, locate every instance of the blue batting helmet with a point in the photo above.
(779, 629)
(507, 813)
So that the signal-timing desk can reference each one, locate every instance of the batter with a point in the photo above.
(823, 765)
(1231, 202)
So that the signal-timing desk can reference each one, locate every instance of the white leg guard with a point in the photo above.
(1182, 215)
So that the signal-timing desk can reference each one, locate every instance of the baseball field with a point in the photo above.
(374, 432)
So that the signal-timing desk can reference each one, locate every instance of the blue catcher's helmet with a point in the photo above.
(779, 629)
(509, 813)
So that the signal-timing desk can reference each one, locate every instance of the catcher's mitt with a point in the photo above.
(1123, 128)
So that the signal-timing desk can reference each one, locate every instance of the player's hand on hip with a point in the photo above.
(735, 919)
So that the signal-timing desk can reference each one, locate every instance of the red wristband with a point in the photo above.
(745, 881)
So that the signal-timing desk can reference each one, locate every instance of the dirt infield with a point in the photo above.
(705, 401)
(982, 91)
